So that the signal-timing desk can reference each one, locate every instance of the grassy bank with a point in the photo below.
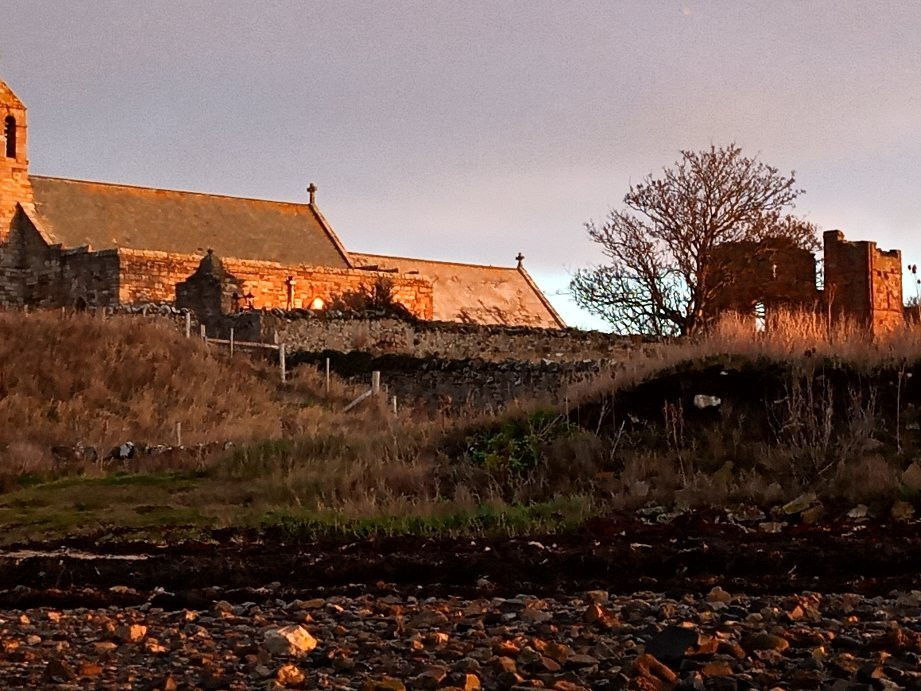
(800, 410)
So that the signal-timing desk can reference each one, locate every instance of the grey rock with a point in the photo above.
(670, 645)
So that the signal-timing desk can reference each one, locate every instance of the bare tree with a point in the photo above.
(662, 275)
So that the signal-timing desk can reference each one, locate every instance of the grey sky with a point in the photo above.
(473, 130)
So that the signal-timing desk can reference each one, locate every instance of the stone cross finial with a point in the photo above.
(312, 190)
(520, 260)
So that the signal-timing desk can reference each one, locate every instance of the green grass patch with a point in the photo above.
(152, 506)
(486, 519)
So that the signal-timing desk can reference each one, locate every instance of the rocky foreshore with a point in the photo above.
(590, 640)
(702, 600)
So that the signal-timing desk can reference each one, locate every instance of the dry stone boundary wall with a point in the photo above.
(448, 366)
(443, 385)
(445, 340)
(436, 365)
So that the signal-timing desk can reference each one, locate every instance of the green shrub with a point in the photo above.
(517, 446)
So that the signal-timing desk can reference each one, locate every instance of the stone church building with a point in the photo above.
(76, 243)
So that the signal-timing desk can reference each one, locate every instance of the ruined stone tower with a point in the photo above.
(863, 283)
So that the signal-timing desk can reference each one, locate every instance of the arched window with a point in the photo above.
(10, 132)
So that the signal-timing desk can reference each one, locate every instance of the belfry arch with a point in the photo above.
(9, 132)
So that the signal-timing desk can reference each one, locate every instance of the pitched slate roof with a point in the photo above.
(475, 293)
(76, 213)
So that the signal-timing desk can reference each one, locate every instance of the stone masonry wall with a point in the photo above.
(11, 280)
(88, 279)
(36, 274)
(437, 384)
(148, 276)
(438, 339)
(886, 292)
(862, 282)
(774, 273)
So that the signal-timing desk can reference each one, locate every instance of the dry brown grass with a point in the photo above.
(102, 381)
(791, 337)
(78, 378)
(795, 335)
(837, 427)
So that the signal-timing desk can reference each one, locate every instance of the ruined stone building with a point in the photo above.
(861, 282)
(78, 243)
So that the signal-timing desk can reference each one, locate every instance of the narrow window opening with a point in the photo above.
(10, 131)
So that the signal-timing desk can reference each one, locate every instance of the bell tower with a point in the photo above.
(15, 187)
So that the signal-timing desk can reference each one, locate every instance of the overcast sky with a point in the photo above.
(471, 131)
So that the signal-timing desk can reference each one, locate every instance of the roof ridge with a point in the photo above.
(433, 261)
(167, 189)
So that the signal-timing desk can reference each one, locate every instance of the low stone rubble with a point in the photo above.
(389, 642)
(163, 309)
(126, 452)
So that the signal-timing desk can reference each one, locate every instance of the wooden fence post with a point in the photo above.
(204, 334)
(327, 377)
(188, 324)
(178, 434)
(393, 401)
(231, 341)
(281, 361)
(375, 382)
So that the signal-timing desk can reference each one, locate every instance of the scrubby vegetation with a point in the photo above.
(794, 409)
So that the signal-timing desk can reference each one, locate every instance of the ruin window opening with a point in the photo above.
(9, 131)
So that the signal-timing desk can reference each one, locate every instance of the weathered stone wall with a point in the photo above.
(210, 292)
(847, 265)
(774, 273)
(87, 279)
(886, 292)
(11, 280)
(436, 339)
(862, 282)
(148, 276)
(36, 274)
(438, 384)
